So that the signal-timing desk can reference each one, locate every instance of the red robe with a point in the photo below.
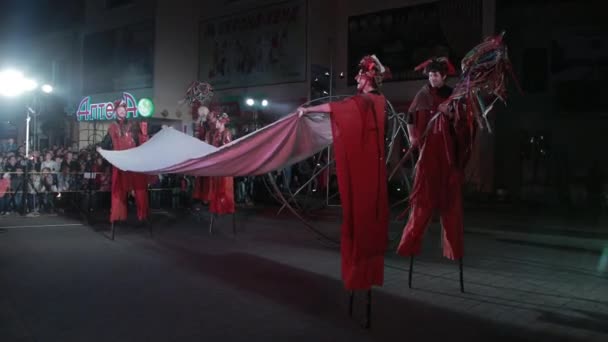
(124, 181)
(358, 132)
(439, 174)
(221, 189)
(201, 184)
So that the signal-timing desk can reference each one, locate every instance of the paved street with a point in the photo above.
(64, 281)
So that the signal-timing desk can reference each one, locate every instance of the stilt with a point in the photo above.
(409, 279)
(461, 276)
(234, 224)
(149, 228)
(350, 303)
(113, 230)
(211, 224)
(368, 319)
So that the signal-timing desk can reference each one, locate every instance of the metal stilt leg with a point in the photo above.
(211, 224)
(350, 303)
(368, 319)
(409, 279)
(461, 276)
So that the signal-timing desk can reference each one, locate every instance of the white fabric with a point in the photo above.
(282, 143)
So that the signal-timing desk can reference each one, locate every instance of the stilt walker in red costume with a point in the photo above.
(442, 125)
(122, 135)
(221, 189)
(358, 128)
(439, 175)
(198, 96)
(201, 184)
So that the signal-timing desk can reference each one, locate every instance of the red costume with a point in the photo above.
(201, 184)
(125, 135)
(221, 189)
(197, 96)
(358, 139)
(443, 147)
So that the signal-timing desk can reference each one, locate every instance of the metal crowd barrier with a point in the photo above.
(84, 193)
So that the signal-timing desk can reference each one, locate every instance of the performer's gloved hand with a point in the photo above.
(98, 149)
(302, 111)
(143, 126)
(445, 109)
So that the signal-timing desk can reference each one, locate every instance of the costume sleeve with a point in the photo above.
(227, 137)
(361, 173)
(106, 143)
(409, 118)
(143, 132)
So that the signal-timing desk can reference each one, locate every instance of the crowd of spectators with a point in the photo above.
(33, 184)
(58, 178)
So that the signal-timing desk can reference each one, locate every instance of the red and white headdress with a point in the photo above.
(371, 67)
(441, 64)
(198, 94)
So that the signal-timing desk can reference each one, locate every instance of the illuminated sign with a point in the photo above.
(145, 107)
(104, 111)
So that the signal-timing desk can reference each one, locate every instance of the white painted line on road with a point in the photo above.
(44, 226)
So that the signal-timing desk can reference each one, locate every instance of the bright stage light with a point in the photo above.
(47, 88)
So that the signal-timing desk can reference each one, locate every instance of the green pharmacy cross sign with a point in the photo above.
(88, 111)
(145, 107)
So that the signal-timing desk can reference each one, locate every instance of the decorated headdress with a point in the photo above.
(371, 67)
(440, 64)
(119, 103)
(198, 94)
(223, 118)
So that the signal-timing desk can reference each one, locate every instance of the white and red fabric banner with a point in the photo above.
(282, 143)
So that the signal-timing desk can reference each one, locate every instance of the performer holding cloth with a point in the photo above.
(358, 128)
(221, 189)
(122, 135)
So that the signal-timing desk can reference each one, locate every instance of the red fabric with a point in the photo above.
(219, 190)
(358, 131)
(124, 182)
(439, 177)
(322, 179)
(200, 190)
(222, 195)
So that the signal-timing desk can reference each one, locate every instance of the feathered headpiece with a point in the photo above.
(441, 64)
(198, 94)
(370, 66)
(483, 80)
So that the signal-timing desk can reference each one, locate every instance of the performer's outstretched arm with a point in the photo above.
(322, 108)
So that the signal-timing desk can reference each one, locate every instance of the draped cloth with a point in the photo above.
(282, 143)
(358, 130)
(356, 126)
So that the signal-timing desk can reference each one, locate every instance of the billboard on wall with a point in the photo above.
(262, 46)
(117, 59)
